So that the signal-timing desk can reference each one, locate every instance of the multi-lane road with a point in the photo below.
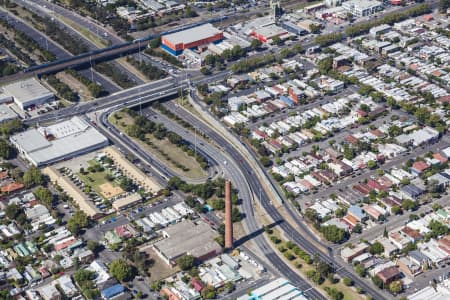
(266, 202)
(232, 171)
(237, 168)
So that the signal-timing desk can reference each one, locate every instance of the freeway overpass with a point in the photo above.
(86, 59)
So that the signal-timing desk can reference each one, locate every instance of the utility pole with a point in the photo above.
(195, 142)
(140, 101)
(140, 56)
(92, 74)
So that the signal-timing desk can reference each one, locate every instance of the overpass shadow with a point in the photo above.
(254, 234)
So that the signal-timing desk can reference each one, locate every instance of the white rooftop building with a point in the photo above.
(28, 93)
(362, 8)
(63, 140)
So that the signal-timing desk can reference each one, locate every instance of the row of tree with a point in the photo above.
(116, 75)
(94, 88)
(143, 126)
(150, 71)
(63, 90)
(390, 19)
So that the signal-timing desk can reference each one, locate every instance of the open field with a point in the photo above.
(98, 182)
(164, 150)
(108, 190)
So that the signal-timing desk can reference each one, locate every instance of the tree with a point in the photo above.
(371, 164)
(325, 65)
(444, 5)
(155, 43)
(186, 262)
(205, 70)
(10, 127)
(256, 44)
(357, 229)
(394, 131)
(396, 210)
(314, 276)
(377, 281)
(12, 211)
(121, 270)
(6, 151)
(208, 292)
(276, 40)
(83, 275)
(360, 270)
(396, 287)
(126, 184)
(348, 281)
(218, 204)
(78, 221)
(334, 234)
(364, 107)
(236, 215)
(376, 248)
(95, 89)
(409, 205)
(33, 176)
(334, 293)
(265, 161)
(94, 246)
(44, 195)
(314, 28)
(437, 229)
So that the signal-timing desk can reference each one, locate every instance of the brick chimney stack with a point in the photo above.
(228, 219)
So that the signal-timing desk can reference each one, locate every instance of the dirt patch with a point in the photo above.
(160, 269)
(108, 190)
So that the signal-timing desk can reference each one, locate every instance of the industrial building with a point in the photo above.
(175, 43)
(6, 113)
(127, 201)
(279, 288)
(189, 238)
(362, 8)
(265, 29)
(28, 93)
(64, 140)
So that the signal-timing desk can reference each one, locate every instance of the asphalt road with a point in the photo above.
(266, 203)
(239, 181)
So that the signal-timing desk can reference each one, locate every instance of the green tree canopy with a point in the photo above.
(121, 270)
(186, 262)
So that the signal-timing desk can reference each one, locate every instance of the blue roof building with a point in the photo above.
(412, 191)
(112, 291)
(357, 212)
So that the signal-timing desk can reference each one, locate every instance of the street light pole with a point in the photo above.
(92, 74)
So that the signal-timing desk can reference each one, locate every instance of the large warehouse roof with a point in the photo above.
(193, 34)
(60, 141)
(25, 90)
(186, 237)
